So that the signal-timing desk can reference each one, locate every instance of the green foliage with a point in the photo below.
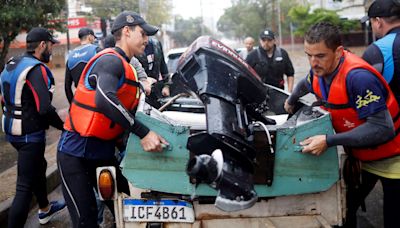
(250, 17)
(286, 5)
(350, 25)
(156, 12)
(186, 31)
(299, 13)
(243, 19)
(24, 14)
(17, 15)
(110, 8)
(304, 19)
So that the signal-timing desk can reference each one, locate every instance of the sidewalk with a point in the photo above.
(8, 179)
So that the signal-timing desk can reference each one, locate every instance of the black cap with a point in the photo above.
(85, 32)
(40, 34)
(267, 34)
(382, 8)
(128, 18)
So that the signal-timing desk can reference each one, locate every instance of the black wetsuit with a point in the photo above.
(79, 156)
(73, 71)
(38, 114)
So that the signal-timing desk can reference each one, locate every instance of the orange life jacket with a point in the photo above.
(83, 116)
(344, 117)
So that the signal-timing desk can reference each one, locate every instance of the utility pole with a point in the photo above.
(67, 14)
(273, 14)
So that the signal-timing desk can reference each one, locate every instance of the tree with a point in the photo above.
(186, 31)
(160, 9)
(250, 17)
(109, 8)
(17, 15)
(157, 12)
(244, 18)
(303, 19)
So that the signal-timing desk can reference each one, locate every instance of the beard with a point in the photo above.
(46, 55)
(318, 71)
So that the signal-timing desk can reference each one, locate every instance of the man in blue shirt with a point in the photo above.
(77, 60)
(384, 54)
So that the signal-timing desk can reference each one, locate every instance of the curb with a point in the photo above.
(53, 180)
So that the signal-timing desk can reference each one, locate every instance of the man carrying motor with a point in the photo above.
(365, 116)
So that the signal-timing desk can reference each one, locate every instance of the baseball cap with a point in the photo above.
(84, 32)
(267, 34)
(38, 34)
(128, 18)
(382, 8)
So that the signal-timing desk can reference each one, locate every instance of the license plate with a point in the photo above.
(138, 210)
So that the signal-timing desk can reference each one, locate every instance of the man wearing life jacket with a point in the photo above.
(77, 60)
(271, 62)
(103, 107)
(27, 86)
(384, 54)
(365, 116)
(146, 82)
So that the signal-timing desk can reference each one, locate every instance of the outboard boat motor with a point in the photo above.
(233, 96)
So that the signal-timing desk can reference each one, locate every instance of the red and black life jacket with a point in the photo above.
(83, 116)
(344, 117)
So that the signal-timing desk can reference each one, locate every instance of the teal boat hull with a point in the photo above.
(294, 172)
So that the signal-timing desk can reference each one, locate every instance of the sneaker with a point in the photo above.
(55, 208)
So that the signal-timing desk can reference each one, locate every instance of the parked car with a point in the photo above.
(173, 57)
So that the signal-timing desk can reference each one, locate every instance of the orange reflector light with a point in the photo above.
(106, 184)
